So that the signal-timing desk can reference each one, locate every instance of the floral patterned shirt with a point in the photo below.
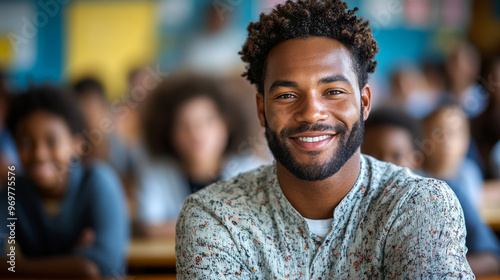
(392, 224)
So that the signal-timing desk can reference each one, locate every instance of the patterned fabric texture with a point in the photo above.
(393, 224)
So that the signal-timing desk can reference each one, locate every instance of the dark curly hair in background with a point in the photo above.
(309, 18)
(164, 102)
(54, 100)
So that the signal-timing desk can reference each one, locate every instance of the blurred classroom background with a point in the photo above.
(127, 62)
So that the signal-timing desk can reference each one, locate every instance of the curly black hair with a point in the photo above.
(49, 99)
(162, 107)
(309, 18)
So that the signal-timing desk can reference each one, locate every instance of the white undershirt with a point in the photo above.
(320, 227)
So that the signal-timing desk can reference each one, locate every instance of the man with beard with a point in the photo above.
(323, 210)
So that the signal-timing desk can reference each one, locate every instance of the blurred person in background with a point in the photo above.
(462, 70)
(71, 218)
(217, 44)
(129, 123)
(105, 143)
(435, 78)
(409, 91)
(8, 152)
(191, 133)
(393, 136)
(447, 134)
(486, 127)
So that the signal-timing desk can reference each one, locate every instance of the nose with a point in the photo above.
(312, 109)
(40, 152)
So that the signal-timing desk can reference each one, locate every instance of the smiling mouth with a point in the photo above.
(312, 142)
(313, 139)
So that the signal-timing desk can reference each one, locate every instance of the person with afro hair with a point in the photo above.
(322, 210)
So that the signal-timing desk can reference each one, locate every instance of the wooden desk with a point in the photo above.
(491, 216)
(490, 204)
(151, 253)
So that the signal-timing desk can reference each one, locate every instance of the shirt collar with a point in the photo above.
(342, 208)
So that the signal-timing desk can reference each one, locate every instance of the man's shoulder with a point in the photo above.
(391, 181)
(238, 194)
(245, 185)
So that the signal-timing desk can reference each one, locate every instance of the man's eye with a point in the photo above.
(286, 96)
(334, 92)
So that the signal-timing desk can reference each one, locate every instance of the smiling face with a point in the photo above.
(312, 107)
(46, 146)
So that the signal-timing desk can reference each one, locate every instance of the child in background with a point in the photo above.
(101, 132)
(447, 133)
(71, 219)
(192, 136)
(390, 136)
(393, 136)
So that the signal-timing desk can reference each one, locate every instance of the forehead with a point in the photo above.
(383, 132)
(41, 120)
(196, 106)
(309, 58)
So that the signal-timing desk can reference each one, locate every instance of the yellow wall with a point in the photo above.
(6, 51)
(107, 39)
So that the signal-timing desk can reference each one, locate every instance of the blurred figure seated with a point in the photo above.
(71, 218)
(462, 70)
(8, 152)
(410, 91)
(486, 127)
(393, 136)
(101, 132)
(191, 133)
(447, 135)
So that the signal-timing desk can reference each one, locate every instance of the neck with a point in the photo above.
(318, 199)
(54, 193)
(203, 170)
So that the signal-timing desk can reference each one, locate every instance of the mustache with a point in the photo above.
(339, 128)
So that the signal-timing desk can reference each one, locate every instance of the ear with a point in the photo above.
(259, 98)
(366, 100)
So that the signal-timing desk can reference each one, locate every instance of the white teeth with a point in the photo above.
(313, 139)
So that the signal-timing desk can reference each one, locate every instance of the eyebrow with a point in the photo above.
(282, 83)
(331, 79)
(326, 80)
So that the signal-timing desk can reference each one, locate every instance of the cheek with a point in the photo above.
(24, 156)
(180, 139)
(277, 117)
(218, 134)
(346, 111)
(63, 153)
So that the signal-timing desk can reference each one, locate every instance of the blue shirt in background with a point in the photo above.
(480, 238)
(94, 199)
(8, 149)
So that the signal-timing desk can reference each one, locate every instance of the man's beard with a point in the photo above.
(316, 171)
